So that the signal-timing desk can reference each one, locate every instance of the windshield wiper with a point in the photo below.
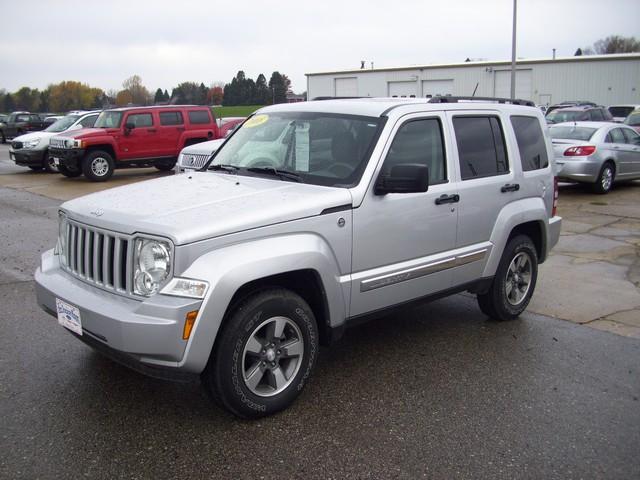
(276, 172)
(224, 168)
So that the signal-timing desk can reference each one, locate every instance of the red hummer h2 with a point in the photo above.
(132, 137)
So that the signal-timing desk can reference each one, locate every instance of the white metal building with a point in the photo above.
(604, 79)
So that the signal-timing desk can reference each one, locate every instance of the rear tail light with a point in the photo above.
(554, 210)
(582, 151)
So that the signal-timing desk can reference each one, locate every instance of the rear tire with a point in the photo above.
(514, 282)
(605, 179)
(98, 166)
(165, 166)
(69, 172)
(264, 354)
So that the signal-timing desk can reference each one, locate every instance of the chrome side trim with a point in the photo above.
(421, 271)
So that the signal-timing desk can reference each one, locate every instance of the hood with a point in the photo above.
(201, 205)
(203, 148)
(82, 133)
(34, 136)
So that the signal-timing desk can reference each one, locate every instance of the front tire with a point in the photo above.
(165, 166)
(604, 182)
(264, 354)
(514, 282)
(98, 166)
(48, 165)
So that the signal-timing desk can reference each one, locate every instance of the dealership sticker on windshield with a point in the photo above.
(255, 121)
(69, 316)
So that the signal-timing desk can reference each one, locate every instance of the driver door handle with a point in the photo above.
(510, 187)
(442, 199)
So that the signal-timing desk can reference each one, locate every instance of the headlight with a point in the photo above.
(186, 287)
(31, 143)
(151, 265)
(73, 143)
(61, 246)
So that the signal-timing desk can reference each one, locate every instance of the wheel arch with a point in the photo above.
(106, 147)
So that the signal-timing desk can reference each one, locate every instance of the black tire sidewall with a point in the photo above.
(598, 185)
(69, 173)
(45, 163)
(227, 368)
(501, 306)
(86, 166)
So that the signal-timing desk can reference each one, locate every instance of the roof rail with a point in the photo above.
(448, 99)
(335, 98)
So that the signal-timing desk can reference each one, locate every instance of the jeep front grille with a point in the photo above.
(56, 142)
(194, 161)
(100, 257)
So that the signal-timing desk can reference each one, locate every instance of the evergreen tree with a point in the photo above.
(9, 104)
(166, 97)
(262, 94)
(279, 85)
(158, 97)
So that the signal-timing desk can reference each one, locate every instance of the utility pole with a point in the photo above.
(513, 52)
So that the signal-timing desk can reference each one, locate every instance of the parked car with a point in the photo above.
(193, 157)
(620, 112)
(633, 120)
(579, 114)
(597, 153)
(569, 103)
(19, 123)
(32, 149)
(132, 137)
(238, 273)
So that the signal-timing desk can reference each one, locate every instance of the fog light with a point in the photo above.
(189, 321)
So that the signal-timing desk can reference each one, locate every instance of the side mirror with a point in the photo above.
(129, 126)
(404, 178)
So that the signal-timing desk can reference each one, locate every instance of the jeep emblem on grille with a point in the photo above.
(98, 212)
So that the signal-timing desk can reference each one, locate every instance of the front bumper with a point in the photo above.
(69, 157)
(578, 169)
(27, 157)
(145, 335)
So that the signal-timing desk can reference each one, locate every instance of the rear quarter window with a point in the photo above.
(199, 117)
(533, 150)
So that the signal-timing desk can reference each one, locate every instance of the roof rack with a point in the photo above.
(448, 99)
(335, 98)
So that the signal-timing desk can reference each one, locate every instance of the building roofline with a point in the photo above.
(581, 58)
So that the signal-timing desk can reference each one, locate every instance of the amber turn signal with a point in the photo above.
(189, 320)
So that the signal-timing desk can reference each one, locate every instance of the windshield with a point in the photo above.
(62, 124)
(620, 111)
(633, 119)
(109, 120)
(572, 133)
(321, 148)
(559, 116)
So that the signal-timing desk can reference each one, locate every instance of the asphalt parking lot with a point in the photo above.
(435, 392)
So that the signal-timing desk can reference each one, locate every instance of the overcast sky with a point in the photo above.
(168, 42)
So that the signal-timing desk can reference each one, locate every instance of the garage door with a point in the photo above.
(431, 88)
(347, 87)
(402, 89)
(502, 86)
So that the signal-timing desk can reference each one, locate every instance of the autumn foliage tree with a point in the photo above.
(70, 95)
(136, 92)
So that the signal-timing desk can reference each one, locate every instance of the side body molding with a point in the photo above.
(229, 268)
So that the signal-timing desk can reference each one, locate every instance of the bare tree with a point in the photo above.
(139, 93)
(613, 44)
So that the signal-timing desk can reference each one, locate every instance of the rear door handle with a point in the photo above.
(442, 199)
(510, 187)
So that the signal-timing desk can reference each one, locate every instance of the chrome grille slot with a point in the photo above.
(194, 160)
(99, 257)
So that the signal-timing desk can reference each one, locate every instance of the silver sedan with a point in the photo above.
(599, 153)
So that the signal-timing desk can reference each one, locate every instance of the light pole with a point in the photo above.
(513, 52)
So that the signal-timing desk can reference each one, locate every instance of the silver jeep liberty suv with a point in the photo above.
(309, 217)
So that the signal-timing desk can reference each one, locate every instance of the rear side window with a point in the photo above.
(171, 118)
(419, 141)
(89, 121)
(533, 150)
(481, 147)
(596, 115)
(22, 118)
(141, 119)
(199, 117)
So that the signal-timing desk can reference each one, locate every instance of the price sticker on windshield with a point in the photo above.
(255, 121)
